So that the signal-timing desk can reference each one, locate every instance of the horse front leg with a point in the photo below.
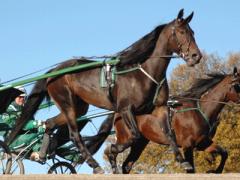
(214, 149)
(130, 120)
(188, 154)
(131, 134)
(78, 141)
(112, 154)
(112, 151)
(135, 152)
(178, 155)
(166, 116)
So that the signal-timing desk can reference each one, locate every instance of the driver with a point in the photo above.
(30, 130)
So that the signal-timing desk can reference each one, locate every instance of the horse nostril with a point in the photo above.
(196, 56)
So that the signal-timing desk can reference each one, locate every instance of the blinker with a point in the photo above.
(237, 87)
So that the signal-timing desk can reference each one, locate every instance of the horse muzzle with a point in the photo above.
(192, 59)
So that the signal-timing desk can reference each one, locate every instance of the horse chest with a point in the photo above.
(132, 94)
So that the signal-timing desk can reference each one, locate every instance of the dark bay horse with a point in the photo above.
(73, 92)
(195, 122)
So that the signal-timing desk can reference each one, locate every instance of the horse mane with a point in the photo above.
(140, 51)
(200, 86)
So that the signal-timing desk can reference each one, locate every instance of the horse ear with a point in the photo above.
(235, 71)
(189, 18)
(180, 14)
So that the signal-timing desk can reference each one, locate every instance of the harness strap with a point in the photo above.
(148, 75)
(127, 70)
(108, 80)
(138, 67)
(198, 108)
(159, 86)
(204, 116)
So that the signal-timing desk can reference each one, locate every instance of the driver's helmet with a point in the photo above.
(23, 90)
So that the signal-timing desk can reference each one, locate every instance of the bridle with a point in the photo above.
(182, 54)
(236, 85)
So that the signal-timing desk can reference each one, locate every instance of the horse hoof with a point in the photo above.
(211, 171)
(116, 171)
(107, 150)
(126, 169)
(186, 166)
(109, 153)
(98, 170)
(81, 160)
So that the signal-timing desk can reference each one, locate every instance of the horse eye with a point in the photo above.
(237, 87)
(182, 31)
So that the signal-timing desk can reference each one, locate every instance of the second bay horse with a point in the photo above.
(194, 122)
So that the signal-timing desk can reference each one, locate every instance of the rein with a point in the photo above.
(26, 75)
(115, 57)
(197, 99)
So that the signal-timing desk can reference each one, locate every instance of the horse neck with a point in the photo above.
(156, 65)
(212, 102)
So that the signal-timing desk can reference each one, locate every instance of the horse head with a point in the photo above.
(234, 89)
(181, 39)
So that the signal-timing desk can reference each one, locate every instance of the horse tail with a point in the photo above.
(93, 143)
(37, 95)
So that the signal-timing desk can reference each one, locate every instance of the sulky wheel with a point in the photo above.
(17, 166)
(5, 158)
(62, 168)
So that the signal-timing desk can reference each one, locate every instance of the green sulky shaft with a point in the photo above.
(59, 72)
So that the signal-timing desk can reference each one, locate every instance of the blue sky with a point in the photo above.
(40, 33)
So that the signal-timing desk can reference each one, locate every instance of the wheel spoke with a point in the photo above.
(5, 158)
(62, 168)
